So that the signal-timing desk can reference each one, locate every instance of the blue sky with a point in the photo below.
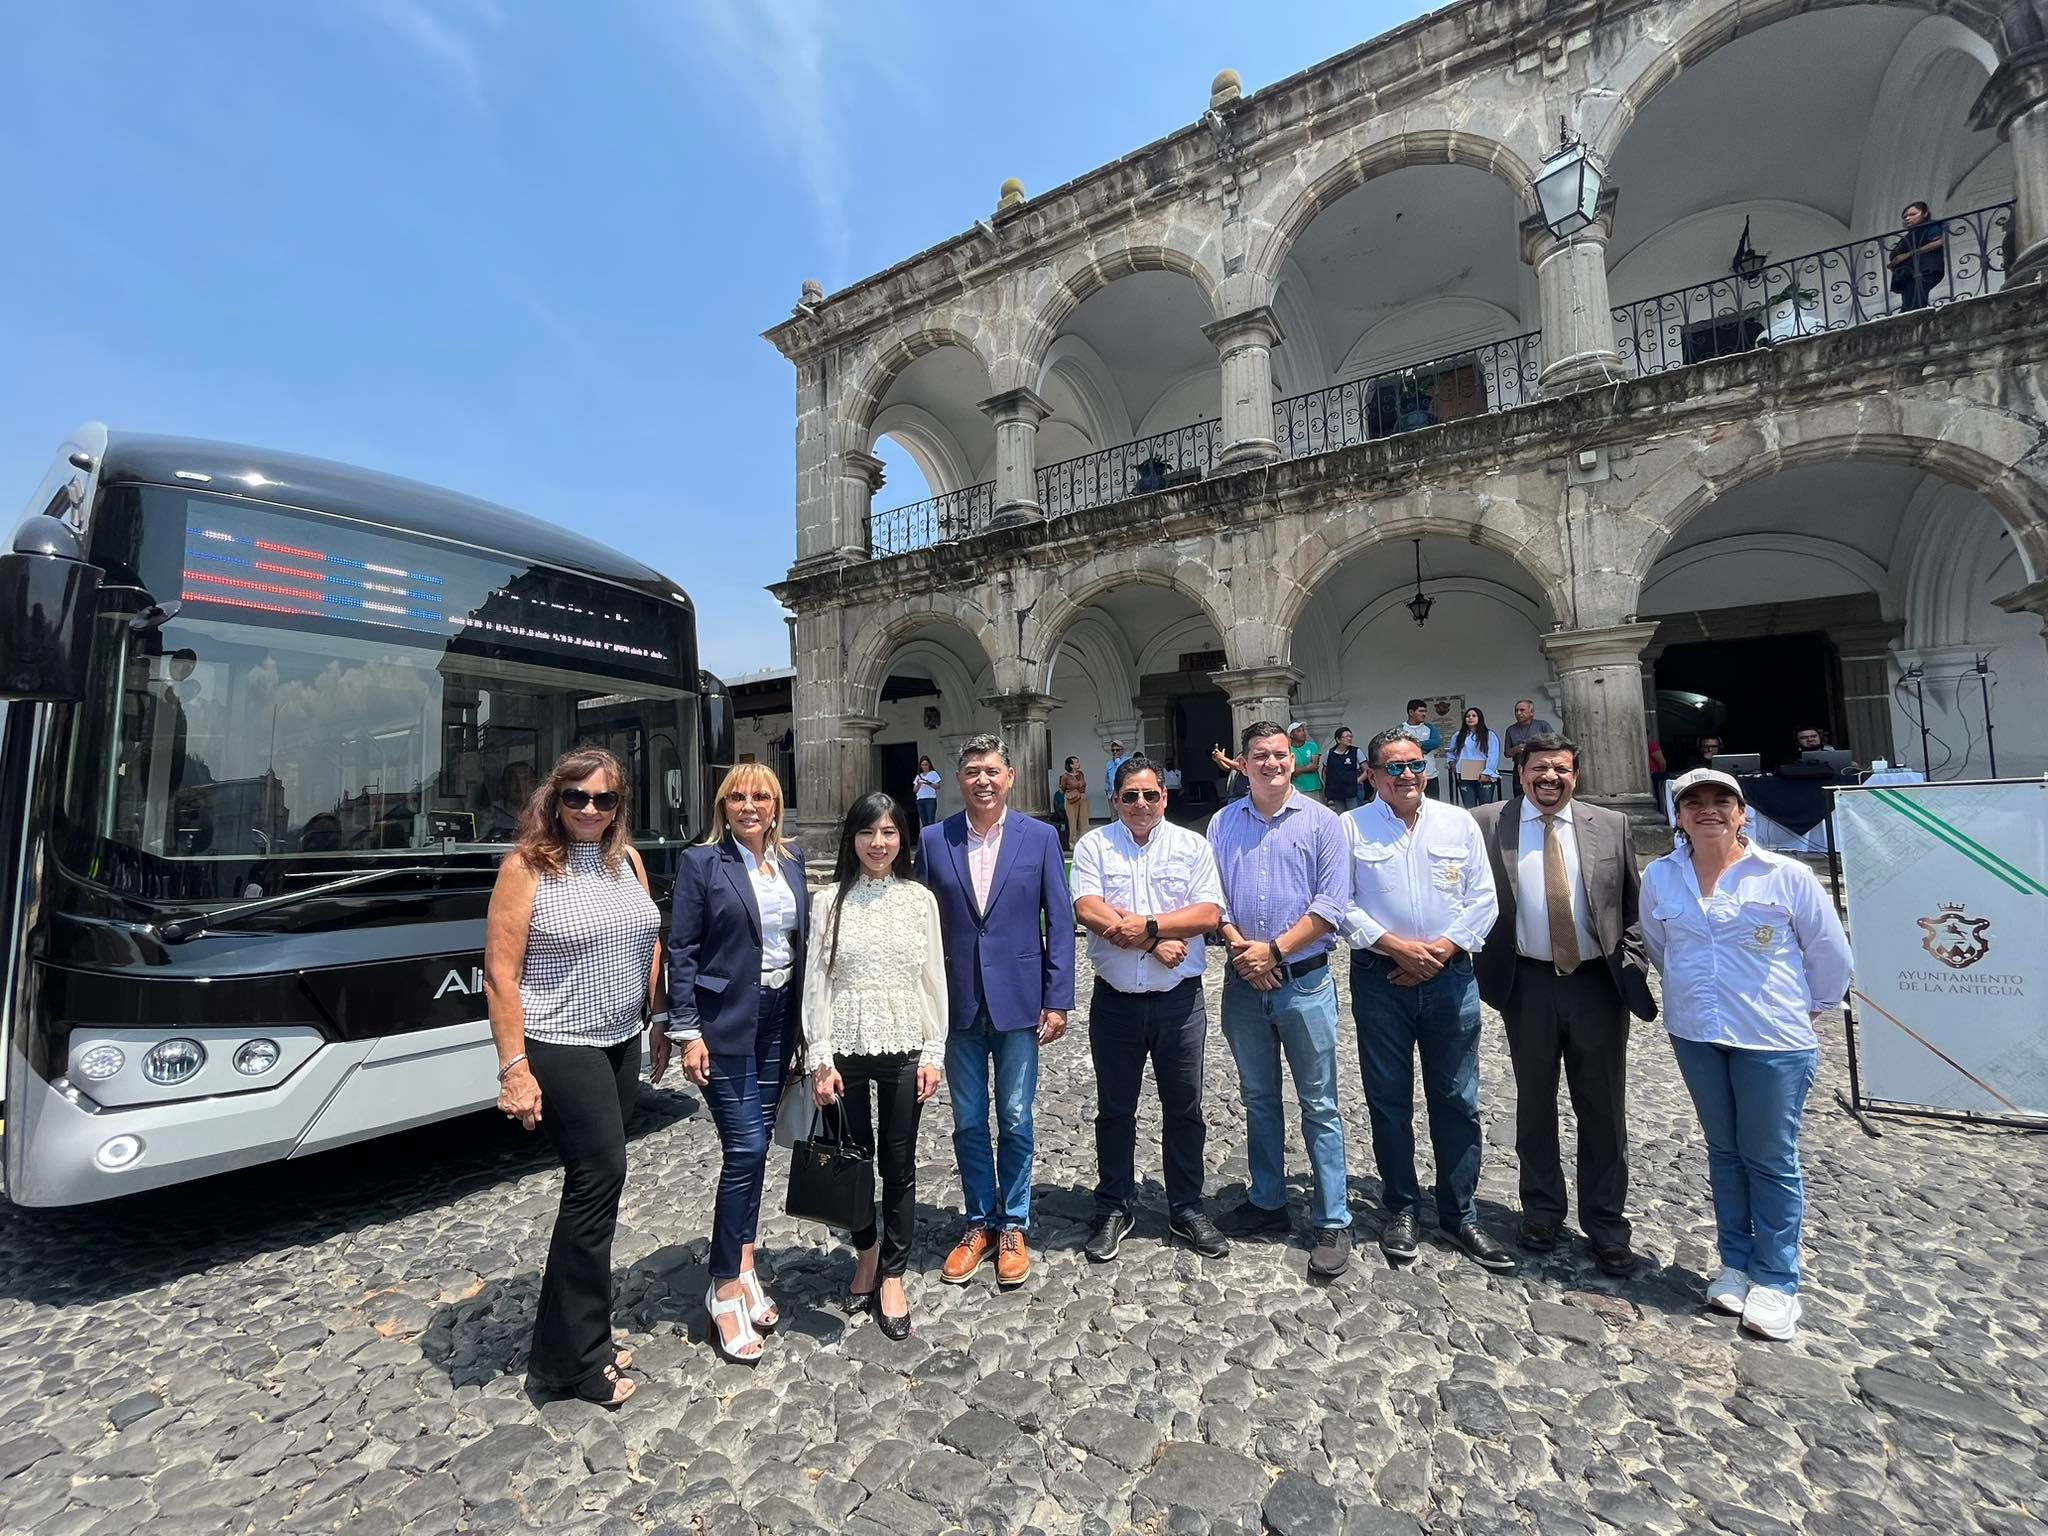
(525, 250)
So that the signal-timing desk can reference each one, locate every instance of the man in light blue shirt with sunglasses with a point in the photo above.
(1421, 904)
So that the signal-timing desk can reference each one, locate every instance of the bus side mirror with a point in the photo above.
(48, 598)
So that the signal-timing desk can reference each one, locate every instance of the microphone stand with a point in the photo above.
(1913, 676)
(1984, 684)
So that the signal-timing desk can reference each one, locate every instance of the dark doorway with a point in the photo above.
(1765, 690)
(1200, 721)
(896, 771)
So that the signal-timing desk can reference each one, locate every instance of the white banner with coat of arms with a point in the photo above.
(1947, 888)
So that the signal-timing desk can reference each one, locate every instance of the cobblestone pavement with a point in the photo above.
(339, 1345)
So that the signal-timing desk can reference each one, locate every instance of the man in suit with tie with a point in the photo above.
(1565, 967)
(1008, 926)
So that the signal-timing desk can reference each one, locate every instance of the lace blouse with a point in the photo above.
(886, 994)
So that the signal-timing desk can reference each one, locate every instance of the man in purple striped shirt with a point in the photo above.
(1286, 881)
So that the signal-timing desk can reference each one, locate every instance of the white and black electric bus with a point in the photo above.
(268, 724)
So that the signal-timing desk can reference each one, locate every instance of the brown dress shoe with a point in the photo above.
(975, 1245)
(1013, 1259)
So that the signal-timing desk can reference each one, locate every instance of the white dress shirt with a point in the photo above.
(1171, 869)
(776, 903)
(1748, 965)
(1532, 906)
(1432, 882)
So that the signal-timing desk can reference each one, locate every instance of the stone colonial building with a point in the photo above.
(1201, 425)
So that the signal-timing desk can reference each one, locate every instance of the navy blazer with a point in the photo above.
(714, 949)
(1017, 959)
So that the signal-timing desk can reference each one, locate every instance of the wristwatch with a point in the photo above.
(1152, 929)
(1279, 959)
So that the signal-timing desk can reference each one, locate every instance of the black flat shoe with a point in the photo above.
(1398, 1238)
(858, 1302)
(1248, 1220)
(1478, 1245)
(894, 1328)
(1538, 1236)
(1200, 1234)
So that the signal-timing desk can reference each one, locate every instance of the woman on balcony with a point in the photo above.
(1919, 260)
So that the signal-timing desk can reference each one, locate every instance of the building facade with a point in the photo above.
(1730, 459)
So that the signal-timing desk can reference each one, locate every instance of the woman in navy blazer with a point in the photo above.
(735, 978)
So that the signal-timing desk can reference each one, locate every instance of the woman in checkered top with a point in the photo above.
(571, 958)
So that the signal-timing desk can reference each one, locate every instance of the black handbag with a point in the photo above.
(831, 1179)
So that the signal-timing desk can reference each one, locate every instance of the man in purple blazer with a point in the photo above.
(1008, 927)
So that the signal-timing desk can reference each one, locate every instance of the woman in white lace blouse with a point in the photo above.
(875, 1029)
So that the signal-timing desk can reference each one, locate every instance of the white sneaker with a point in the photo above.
(1770, 1313)
(1728, 1290)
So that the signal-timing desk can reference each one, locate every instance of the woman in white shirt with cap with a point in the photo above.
(1751, 953)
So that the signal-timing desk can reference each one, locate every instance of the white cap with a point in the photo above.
(1685, 783)
(1296, 725)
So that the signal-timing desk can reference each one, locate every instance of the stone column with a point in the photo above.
(1601, 674)
(1865, 651)
(1024, 716)
(1016, 414)
(1257, 693)
(1578, 320)
(2015, 103)
(1245, 344)
(856, 761)
(860, 476)
(816, 701)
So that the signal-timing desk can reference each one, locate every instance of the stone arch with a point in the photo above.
(889, 356)
(1522, 537)
(1087, 275)
(937, 454)
(1345, 165)
(1057, 611)
(1957, 441)
(880, 635)
(1945, 572)
(1704, 26)
(1846, 558)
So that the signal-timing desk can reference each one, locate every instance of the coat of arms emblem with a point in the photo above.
(1955, 938)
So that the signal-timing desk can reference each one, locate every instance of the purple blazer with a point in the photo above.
(1016, 959)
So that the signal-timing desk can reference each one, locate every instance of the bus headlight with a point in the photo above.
(101, 1062)
(118, 1152)
(171, 1062)
(256, 1057)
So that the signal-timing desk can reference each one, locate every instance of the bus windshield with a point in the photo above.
(330, 695)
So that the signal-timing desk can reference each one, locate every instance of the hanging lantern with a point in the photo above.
(1568, 187)
(1420, 604)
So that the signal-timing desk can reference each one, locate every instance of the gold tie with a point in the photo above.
(1557, 896)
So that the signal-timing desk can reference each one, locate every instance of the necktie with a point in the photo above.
(1557, 897)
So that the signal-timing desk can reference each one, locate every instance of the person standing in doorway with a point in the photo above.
(1008, 925)
(1428, 740)
(1751, 953)
(1341, 772)
(1475, 761)
(735, 974)
(927, 792)
(1565, 966)
(1421, 904)
(1147, 891)
(1281, 858)
(1515, 738)
(1074, 785)
(1308, 761)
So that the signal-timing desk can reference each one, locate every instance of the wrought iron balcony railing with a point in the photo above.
(1493, 377)
(1129, 469)
(953, 515)
(1830, 290)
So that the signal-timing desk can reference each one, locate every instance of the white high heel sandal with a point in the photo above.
(734, 1307)
(760, 1311)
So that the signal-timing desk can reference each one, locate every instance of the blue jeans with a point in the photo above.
(1438, 1021)
(1750, 1104)
(1014, 1054)
(1298, 1020)
(927, 811)
(741, 1096)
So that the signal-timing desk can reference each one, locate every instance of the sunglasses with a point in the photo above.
(1395, 770)
(583, 799)
(1141, 796)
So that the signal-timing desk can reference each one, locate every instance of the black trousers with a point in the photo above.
(1124, 1028)
(884, 1089)
(587, 1093)
(1579, 1022)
